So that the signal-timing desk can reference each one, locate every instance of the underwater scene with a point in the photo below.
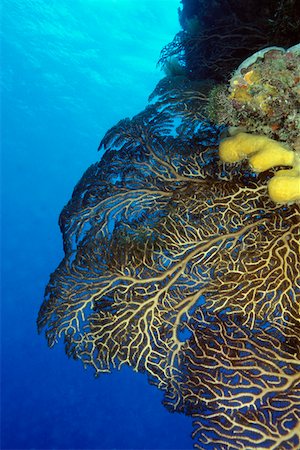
(150, 290)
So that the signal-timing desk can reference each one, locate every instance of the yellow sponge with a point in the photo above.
(264, 152)
(284, 189)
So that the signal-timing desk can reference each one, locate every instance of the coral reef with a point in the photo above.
(181, 258)
(238, 383)
(161, 239)
(216, 36)
(263, 96)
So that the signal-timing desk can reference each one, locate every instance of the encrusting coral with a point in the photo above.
(262, 96)
(262, 107)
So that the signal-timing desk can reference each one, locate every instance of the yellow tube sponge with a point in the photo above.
(263, 152)
(284, 187)
(271, 155)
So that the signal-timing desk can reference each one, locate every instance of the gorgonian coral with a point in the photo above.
(182, 247)
(241, 385)
(216, 36)
(162, 238)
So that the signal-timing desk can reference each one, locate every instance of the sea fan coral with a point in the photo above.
(161, 238)
(179, 260)
(216, 36)
(241, 385)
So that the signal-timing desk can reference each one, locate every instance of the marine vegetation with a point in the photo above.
(216, 36)
(180, 263)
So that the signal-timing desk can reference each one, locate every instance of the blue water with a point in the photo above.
(71, 70)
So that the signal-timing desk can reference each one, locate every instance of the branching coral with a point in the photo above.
(243, 386)
(160, 237)
(186, 266)
(217, 35)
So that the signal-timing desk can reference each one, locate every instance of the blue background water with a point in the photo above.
(71, 70)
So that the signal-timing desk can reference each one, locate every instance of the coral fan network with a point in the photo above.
(182, 253)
